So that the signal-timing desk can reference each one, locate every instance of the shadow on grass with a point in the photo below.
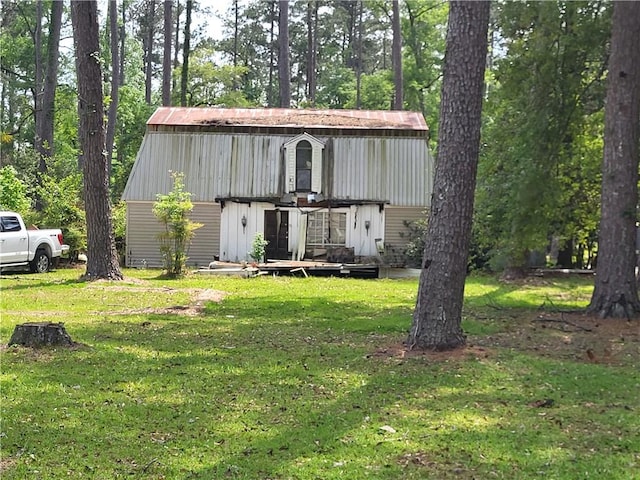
(243, 393)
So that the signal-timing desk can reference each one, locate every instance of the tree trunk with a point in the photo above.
(396, 54)
(115, 79)
(176, 47)
(102, 256)
(122, 41)
(44, 135)
(41, 334)
(312, 50)
(284, 72)
(358, 58)
(47, 81)
(148, 59)
(615, 293)
(166, 59)
(438, 313)
(184, 77)
(270, 93)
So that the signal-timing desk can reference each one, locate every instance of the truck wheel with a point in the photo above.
(41, 263)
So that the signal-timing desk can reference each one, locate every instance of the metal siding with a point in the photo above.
(395, 231)
(142, 229)
(383, 169)
(205, 244)
(386, 169)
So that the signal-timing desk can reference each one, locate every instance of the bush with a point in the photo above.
(173, 212)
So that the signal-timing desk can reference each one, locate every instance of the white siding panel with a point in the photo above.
(143, 228)
(395, 231)
(397, 170)
(143, 249)
(205, 244)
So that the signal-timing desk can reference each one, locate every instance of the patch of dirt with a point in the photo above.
(198, 298)
(570, 335)
(562, 335)
(401, 351)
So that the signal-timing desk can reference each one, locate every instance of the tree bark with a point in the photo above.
(438, 312)
(615, 293)
(102, 257)
(186, 49)
(115, 80)
(41, 334)
(45, 117)
(396, 55)
(148, 61)
(166, 59)
(284, 72)
(312, 50)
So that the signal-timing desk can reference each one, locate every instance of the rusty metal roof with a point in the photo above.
(288, 117)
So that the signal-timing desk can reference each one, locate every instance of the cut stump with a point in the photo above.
(41, 334)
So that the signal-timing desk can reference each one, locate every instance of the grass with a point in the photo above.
(295, 378)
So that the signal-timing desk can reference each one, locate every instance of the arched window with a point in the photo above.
(303, 166)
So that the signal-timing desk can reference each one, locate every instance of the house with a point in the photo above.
(314, 182)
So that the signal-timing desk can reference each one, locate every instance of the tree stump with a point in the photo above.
(41, 334)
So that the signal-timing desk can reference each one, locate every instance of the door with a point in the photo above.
(14, 244)
(276, 232)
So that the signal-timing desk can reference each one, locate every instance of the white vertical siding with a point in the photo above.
(397, 170)
(143, 228)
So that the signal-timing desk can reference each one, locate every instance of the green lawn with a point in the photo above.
(303, 378)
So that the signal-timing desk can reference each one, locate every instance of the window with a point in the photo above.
(10, 224)
(303, 166)
(326, 229)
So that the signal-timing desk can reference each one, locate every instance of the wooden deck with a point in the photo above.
(294, 268)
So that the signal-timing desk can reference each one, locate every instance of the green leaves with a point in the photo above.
(173, 210)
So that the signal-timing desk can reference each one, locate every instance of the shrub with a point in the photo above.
(173, 210)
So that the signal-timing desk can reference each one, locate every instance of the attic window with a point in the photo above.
(303, 166)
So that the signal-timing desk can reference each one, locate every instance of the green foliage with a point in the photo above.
(258, 247)
(537, 177)
(62, 208)
(173, 210)
(119, 220)
(414, 250)
(13, 192)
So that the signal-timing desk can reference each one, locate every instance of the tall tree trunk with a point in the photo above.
(438, 313)
(311, 61)
(50, 82)
(272, 45)
(102, 257)
(166, 60)
(615, 293)
(176, 47)
(358, 56)
(38, 92)
(115, 78)
(236, 32)
(284, 72)
(186, 51)
(122, 40)
(148, 63)
(396, 54)
(47, 81)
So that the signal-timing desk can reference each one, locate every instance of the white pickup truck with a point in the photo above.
(35, 248)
